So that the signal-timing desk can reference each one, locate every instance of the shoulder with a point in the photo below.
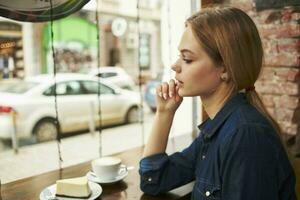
(257, 143)
(248, 135)
(246, 118)
(248, 130)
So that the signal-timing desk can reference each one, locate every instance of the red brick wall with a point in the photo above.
(279, 83)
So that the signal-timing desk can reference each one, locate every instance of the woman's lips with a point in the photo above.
(179, 83)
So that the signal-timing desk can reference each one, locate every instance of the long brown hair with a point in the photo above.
(229, 36)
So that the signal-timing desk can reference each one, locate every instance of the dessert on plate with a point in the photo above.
(73, 187)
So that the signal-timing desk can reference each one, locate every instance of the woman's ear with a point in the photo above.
(224, 77)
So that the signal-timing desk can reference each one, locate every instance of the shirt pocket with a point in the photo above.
(205, 190)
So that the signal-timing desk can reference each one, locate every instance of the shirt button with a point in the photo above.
(207, 193)
(150, 179)
(203, 157)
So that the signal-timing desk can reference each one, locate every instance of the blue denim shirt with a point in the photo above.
(237, 156)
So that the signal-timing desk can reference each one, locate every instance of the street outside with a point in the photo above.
(43, 157)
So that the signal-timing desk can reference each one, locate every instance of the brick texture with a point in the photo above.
(279, 81)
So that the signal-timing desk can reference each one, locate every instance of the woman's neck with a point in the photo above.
(214, 102)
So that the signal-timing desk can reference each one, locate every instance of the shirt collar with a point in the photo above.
(211, 126)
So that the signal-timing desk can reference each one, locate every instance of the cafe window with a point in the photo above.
(78, 107)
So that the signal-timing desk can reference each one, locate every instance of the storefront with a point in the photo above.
(11, 51)
(75, 43)
(132, 48)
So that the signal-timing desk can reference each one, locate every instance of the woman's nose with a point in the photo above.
(175, 67)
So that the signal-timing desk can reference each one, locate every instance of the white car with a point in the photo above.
(77, 100)
(115, 75)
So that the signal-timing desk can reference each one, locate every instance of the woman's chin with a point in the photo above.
(180, 92)
(183, 93)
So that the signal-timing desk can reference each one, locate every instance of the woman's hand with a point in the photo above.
(167, 97)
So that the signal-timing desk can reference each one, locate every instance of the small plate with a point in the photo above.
(93, 177)
(49, 193)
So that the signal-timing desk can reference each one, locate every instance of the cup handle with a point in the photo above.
(123, 168)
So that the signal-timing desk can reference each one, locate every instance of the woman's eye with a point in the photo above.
(187, 61)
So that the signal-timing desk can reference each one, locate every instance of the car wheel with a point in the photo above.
(132, 115)
(45, 130)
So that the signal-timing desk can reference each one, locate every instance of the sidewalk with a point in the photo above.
(39, 158)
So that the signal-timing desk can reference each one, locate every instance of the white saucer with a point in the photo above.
(93, 177)
(49, 193)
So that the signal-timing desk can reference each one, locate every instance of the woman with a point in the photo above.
(238, 154)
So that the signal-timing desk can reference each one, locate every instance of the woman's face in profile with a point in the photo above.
(195, 71)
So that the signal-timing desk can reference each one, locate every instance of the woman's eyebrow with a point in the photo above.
(186, 51)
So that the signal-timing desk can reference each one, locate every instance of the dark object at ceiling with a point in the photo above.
(270, 4)
(39, 11)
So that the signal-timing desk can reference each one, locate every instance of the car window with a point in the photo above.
(17, 87)
(91, 87)
(65, 88)
(73, 88)
(108, 74)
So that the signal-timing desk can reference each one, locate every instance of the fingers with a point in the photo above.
(159, 91)
(172, 88)
(166, 90)
(177, 97)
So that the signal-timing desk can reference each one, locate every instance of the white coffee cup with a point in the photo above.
(107, 168)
